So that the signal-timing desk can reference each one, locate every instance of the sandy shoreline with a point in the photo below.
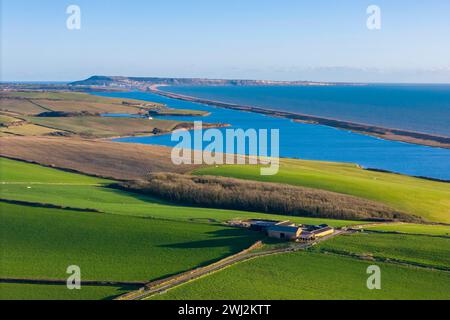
(413, 137)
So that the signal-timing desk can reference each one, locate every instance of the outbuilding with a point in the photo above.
(284, 232)
(319, 233)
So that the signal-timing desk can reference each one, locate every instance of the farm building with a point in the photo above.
(284, 232)
(261, 225)
(284, 229)
(306, 236)
(325, 231)
(264, 225)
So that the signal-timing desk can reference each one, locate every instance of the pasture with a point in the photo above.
(411, 228)
(424, 198)
(412, 249)
(312, 276)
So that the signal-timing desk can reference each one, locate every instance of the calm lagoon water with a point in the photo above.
(314, 142)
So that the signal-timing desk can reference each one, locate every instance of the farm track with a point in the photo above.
(163, 285)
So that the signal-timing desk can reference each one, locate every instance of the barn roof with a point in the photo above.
(291, 229)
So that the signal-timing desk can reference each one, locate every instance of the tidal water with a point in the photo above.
(314, 142)
(423, 108)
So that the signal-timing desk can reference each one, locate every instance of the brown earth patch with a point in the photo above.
(121, 161)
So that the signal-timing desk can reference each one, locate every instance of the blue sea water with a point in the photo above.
(423, 108)
(315, 142)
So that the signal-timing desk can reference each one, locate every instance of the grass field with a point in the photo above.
(83, 112)
(58, 292)
(72, 96)
(425, 198)
(305, 275)
(103, 127)
(40, 243)
(438, 230)
(92, 193)
(6, 120)
(181, 112)
(413, 249)
(28, 129)
(16, 171)
(135, 238)
(24, 107)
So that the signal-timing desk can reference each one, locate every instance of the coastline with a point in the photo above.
(392, 134)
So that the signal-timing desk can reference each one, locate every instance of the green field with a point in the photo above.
(103, 127)
(132, 238)
(71, 96)
(12, 171)
(437, 230)
(79, 191)
(305, 275)
(28, 129)
(81, 115)
(138, 238)
(412, 249)
(425, 198)
(41, 243)
(58, 292)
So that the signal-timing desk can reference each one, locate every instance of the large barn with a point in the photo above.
(284, 232)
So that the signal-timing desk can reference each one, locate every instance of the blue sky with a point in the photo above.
(280, 40)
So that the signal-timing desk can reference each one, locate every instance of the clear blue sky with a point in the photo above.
(257, 39)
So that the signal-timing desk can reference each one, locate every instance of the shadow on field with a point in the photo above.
(145, 198)
(235, 239)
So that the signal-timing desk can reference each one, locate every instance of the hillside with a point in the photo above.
(119, 81)
(421, 197)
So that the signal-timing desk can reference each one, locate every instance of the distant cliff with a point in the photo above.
(113, 81)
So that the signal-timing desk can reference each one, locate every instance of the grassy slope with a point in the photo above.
(17, 171)
(38, 102)
(259, 280)
(28, 130)
(20, 106)
(41, 243)
(27, 104)
(437, 230)
(104, 126)
(57, 292)
(91, 193)
(425, 198)
(72, 96)
(305, 275)
(424, 250)
(7, 120)
(116, 245)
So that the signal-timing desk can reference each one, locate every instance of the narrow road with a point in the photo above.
(160, 286)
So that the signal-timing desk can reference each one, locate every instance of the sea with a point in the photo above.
(424, 108)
